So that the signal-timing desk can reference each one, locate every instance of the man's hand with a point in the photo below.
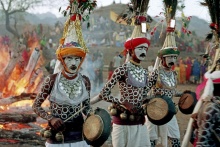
(195, 117)
(56, 123)
(130, 107)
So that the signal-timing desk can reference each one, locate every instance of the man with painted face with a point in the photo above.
(68, 92)
(127, 112)
(166, 86)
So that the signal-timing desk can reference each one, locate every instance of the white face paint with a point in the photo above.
(72, 63)
(170, 60)
(141, 51)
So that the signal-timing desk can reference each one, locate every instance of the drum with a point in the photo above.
(160, 110)
(187, 102)
(97, 127)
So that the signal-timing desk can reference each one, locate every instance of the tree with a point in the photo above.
(11, 7)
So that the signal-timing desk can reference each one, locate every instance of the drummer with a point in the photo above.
(166, 86)
(128, 125)
(207, 120)
(68, 92)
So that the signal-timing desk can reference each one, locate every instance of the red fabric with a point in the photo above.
(140, 19)
(188, 71)
(194, 143)
(132, 43)
(110, 74)
(25, 56)
(199, 89)
(214, 81)
(201, 86)
(169, 29)
(73, 17)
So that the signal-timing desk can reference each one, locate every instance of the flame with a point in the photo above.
(5, 57)
(23, 103)
(1, 126)
(19, 81)
(14, 126)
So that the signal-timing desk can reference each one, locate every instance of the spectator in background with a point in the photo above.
(50, 44)
(196, 71)
(122, 37)
(98, 67)
(110, 70)
(116, 60)
(188, 68)
(177, 69)
(203, 68)
(182, 67)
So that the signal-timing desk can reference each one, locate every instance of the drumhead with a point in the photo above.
(97, 127)
(160, 110)
(157, 108)
(93, 127)
(187, 102)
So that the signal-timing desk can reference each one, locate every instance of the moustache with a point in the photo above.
(73, 67)
(171, 63)
(143, 55)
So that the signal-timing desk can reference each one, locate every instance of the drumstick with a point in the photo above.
(74, 114)
(183, 100)
(151, 102)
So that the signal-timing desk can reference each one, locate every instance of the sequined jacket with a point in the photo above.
(134, 84)
(166, 83)
(208, 121)
(62, 111)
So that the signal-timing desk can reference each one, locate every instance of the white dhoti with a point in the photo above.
(161, 133)
(130, 136)
(173, 128)
(75, 144)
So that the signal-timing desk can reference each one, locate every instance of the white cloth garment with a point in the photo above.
(161, 133)
(76, 144)
(130, 136)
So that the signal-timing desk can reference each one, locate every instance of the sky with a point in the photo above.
(193, 8)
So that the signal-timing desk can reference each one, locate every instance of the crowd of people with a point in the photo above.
(190, 70)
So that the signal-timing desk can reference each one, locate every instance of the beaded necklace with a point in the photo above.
(72, 89)
(137, 72)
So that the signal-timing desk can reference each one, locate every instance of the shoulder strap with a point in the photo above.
(87, 83)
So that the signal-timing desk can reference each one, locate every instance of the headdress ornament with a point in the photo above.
(169, 46)
(139, 13)
(72, 42)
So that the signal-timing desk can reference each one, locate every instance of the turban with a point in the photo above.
(168, 51)
(132, 43)
(72, 48)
